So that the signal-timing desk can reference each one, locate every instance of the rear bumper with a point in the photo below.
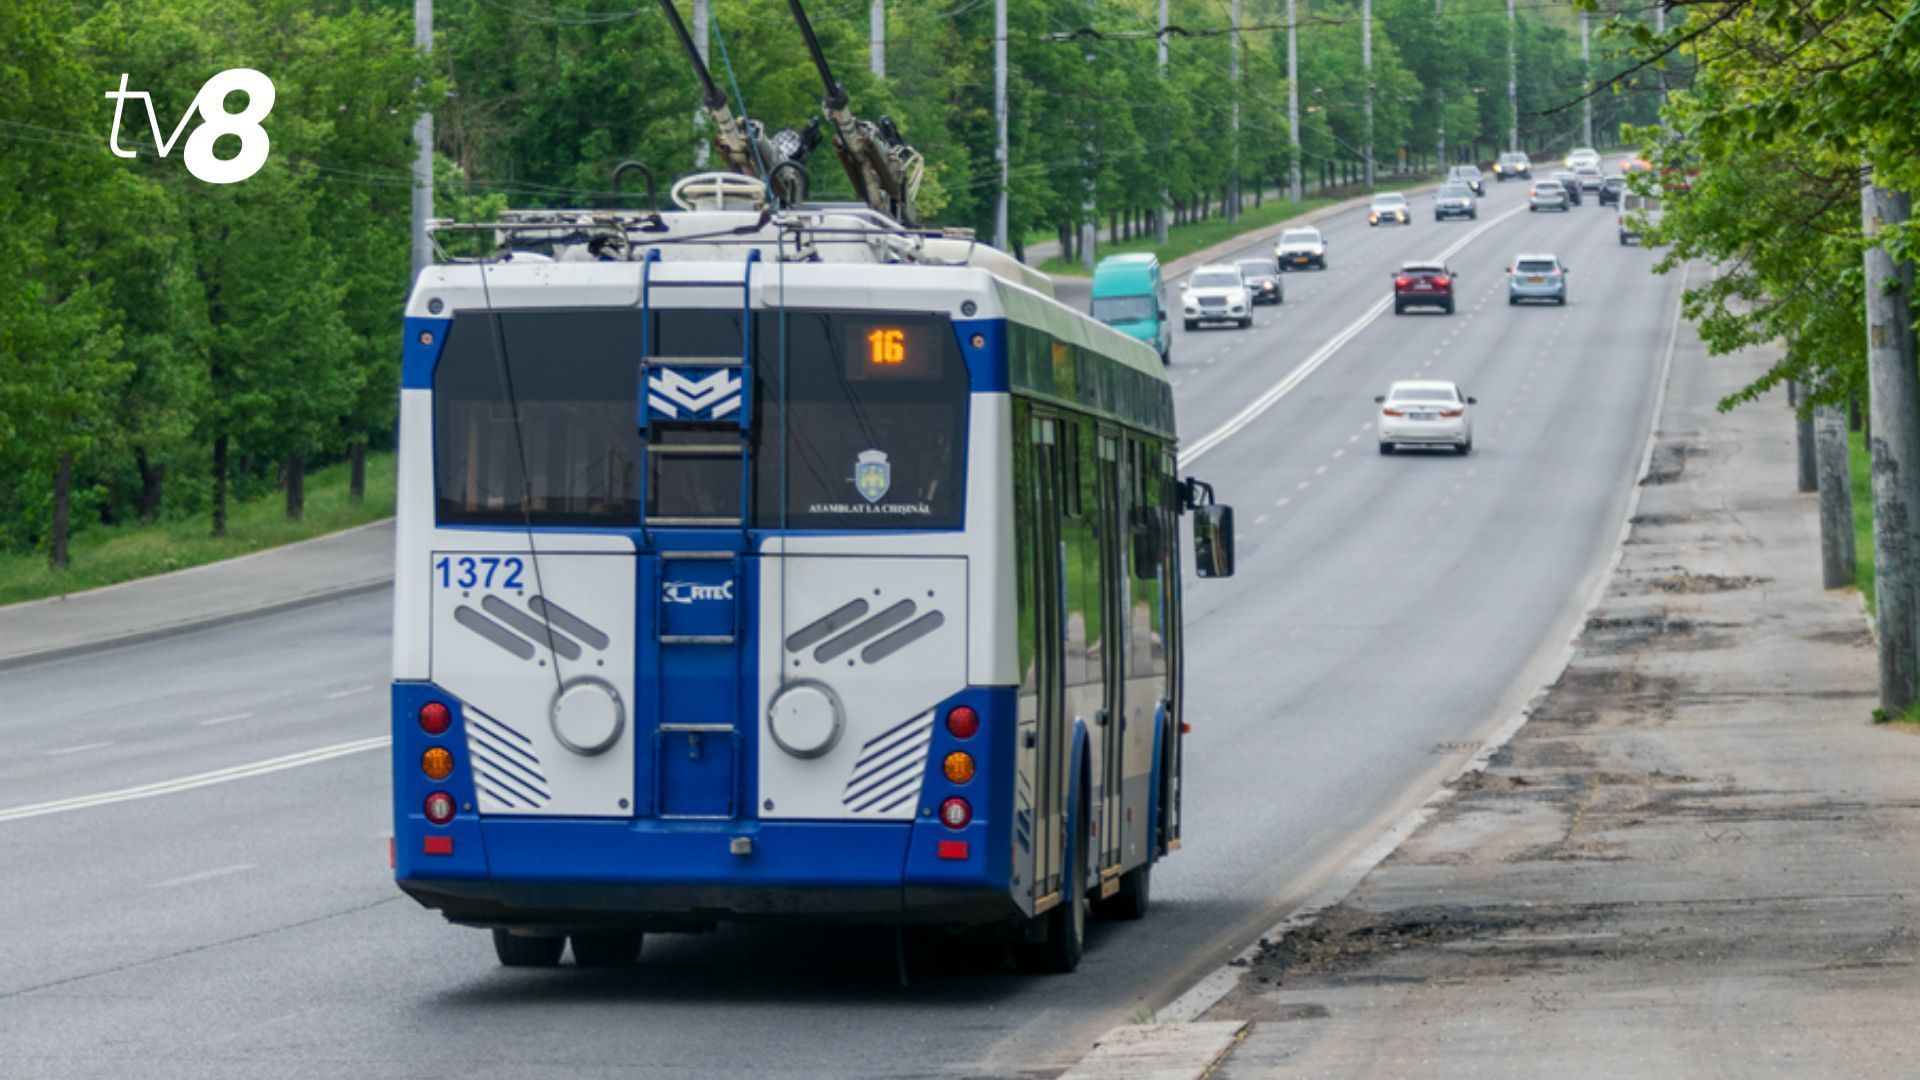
(1430, 434)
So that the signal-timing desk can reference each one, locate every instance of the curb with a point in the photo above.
(188, 626)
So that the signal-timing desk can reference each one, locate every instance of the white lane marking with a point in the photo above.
(1261, 520)
(81, 749)
(205, 875)
(1176, 382)
(1340, 452)
(198, 780)
(1320, 356)
(338, 694)
(226, 719)
(1304, 484)
(1353, 438)
(1284, 501)
(1320, 470)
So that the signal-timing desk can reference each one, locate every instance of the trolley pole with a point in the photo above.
(1000, 119)
(1293, 101)
(1166, 197)
(1366, 67)
(877, 25)
(423, 148)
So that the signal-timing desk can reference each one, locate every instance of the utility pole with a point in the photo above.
(1806, 469)
(1513, 84)
(1166, 197)
(1233, 179)
(1440, 91)
(1837, 560)
(422, 148)
(877, 29)
(701, 36)
(1586, 80)
(1366, 67)
(1293, 102)
(1893, 401)
(1000, 119)
(1660, 28)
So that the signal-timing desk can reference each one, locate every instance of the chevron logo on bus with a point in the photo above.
(686, 397)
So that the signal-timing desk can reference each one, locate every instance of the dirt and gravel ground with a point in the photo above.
(1697, 858)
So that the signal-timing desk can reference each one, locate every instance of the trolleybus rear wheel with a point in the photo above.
(519, 950)
(1059, 952)
(606, 950)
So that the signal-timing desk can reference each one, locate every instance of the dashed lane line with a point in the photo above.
(205, 875)
(81, 749)
(218, 720)
(347, 693)
(197, 780)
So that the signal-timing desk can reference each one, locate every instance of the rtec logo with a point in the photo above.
(686, 592)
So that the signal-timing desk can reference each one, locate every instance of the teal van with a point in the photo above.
(1126, 296)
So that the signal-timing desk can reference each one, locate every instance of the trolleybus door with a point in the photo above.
(1049, 623)
(1113, 614)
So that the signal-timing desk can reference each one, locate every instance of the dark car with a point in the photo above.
(1572, 184)
(1423, 284)
(1263, 280)
(1469, 175)
(1455, 200)
(1610, 190)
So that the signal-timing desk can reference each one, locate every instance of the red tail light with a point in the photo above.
(1451, 414)
(955, 813)
(1442, 281)
(1391, 412)
(963, 722)
(1402, 282)
(439, 808)
(435, 718)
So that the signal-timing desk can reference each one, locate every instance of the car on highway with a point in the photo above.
(1262, 277)
(1537, 277)
(1455, 200)
(1423, 284)
(1389, 207)
(1299, 248)
(1469, 175)
(1216, 293)
(1425, 412)
(1547, 195)
(1610, 190)
(1572, 183)
(1582, 155)
(1590, 176)
(1513, 165)
(1637, 213)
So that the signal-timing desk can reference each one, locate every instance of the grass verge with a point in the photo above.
(1183, 240)
(107, 555)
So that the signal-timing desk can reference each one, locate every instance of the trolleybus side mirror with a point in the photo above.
(1213, 541)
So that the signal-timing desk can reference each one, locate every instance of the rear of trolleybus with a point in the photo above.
(706, 609)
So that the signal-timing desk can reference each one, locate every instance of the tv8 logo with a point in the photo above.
(211, 104)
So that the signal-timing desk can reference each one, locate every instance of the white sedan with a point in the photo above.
(1425, 412)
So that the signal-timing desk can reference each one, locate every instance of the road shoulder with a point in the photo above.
(1697, 855)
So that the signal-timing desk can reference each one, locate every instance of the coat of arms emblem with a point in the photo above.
(872, 475)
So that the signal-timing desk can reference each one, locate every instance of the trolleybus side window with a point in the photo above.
(573, 375)
(861, 425)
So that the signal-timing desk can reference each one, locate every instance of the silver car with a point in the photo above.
(1455, 200)
(1537, 277)
(1547, 195)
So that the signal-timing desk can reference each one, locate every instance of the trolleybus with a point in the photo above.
(788, 564)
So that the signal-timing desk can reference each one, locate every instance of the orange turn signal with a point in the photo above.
(958, 767)
(437, 763)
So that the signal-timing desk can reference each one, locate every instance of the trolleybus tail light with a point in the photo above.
(437, 763)
(437, 845)
(963, 722)
(958, 767)
(955, 813)
(439, 808)
(435, 718)
(948, 849)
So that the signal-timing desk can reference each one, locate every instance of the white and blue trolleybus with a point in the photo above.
(779, 564)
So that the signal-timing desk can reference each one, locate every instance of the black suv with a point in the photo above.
(1610, 190)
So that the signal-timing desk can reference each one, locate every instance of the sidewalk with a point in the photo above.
(1697, 858)
(324, 568)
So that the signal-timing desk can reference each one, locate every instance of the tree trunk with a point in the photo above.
(296, 472)
(152, 482)
(357, 471)
(62, 510)
(1837, 564)
(1893, 403)
(1809, 479)
(220, 485)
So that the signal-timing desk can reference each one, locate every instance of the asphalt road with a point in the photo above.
(1388, 610)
